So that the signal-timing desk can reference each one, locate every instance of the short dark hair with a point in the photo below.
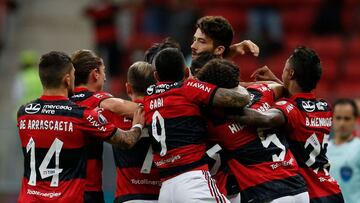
(155, 48)
(307, 68)
(84, 62)
(218, 29)
(351, 102)
(220, 72)
(200, 61)
(140, 76)
(53, 67)
(170, 65)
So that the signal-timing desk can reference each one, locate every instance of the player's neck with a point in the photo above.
(56, 92)
(135, 97)
(90, 87)
(339, 140)
(294, 88)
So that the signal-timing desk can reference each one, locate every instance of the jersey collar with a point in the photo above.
(305, 95)
(53, 98)
(81, 89)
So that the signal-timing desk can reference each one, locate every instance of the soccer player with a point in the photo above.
(54, 133)
(172, 112)
(214, 34)
(306, 122)
(89, 82)
(261, 161)
(344, 149)
(136, 181)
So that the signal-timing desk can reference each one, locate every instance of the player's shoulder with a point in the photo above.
(102, 95)
(261, 87)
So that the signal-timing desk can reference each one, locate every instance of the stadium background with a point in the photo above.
(331, 27)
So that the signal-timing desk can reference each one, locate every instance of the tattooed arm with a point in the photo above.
(231, 98)
(127, 139)
(269, 119)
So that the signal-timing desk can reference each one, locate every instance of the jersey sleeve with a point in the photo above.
(290, 112)
(100, 96)
(96, 125)
(199, 92)
(262, 97)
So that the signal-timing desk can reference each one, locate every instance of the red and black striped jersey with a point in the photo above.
(136, 179)
(54, 133)
(261, 161)
(176, 127)
(84, 97)
(308, 128)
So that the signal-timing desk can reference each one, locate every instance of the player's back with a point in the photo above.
(308, 128)
(54, 151)
(136, 179)
(172, 113)
(260, 159)
(84, 97)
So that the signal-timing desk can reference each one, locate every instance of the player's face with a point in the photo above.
(344, 121)
(201, 43)
(286, 75)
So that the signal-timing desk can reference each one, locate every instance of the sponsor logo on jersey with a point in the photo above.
(32, 108)
(308, 106)
(81, 95)
(200, 86)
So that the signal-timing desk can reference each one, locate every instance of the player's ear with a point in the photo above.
(292, 74)
(128, 89)
(67, 80)
(219, 50)
(156, 76)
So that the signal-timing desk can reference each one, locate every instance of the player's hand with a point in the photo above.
(139, 116)
(244, 47)
(265, 74)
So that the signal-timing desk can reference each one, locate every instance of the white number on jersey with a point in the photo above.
(274, 139)
(45, 172)
(315, 143)
(162, 137)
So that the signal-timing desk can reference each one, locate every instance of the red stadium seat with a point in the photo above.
(331, 46)
(347, 89)
(298, 20)
(247, 64)
(354, 47)
(235, 16)
(352, 70)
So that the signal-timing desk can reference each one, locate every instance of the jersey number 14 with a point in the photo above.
(45, 172)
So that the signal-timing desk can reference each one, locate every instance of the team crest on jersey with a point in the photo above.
(150, 89)
(102, 119)
(308, 106)
(32, 108)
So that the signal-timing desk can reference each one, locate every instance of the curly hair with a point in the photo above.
(307, 68)
(220, 72)
(218, 29)
(200, 61)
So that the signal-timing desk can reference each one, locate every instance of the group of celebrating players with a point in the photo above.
(195, 134)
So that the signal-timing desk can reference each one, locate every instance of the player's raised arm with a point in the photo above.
(231, 98)
(119, 106)
(269, 119)
(127, 139)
